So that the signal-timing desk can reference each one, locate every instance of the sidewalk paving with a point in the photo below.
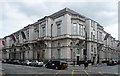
(81, 67)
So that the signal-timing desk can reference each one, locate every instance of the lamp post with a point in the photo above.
(51, 41)
(85, 45)
(74, 46)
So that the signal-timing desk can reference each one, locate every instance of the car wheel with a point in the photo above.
(56, 68)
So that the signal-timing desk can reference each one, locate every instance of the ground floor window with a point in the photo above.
(77, 51)
(71, 53)
(59, 53)
(43, 54)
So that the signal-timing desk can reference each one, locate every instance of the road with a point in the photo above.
(21, 70)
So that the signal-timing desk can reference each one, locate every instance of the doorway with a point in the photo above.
(38, 57)
(78, 60)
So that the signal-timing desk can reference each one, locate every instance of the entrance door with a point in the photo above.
(24, 55)
(38, 56)
(77, 60)
(93, 60)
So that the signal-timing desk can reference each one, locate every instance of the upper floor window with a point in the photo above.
(43, 31)
(58, 44)
(97, 35)
(94, 50)
(74, 29)
(91, 48)
(37, 33)
(70, 43)
(91, 35)
(91, 23)
(58, 29)
(59, 53)
(28, 35)
(81, 30)
(100, 36)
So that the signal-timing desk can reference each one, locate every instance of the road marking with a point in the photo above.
(41, 73)
(86, 72)
(72, 72)
(58, 72)
(100, 72)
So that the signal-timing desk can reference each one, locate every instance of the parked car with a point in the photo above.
(56, 64)
(20, 62)
(26, 62)
(118, 61)
(36, 63)
(11, 61)
(112, 62)
(4, 61)
(16, 61)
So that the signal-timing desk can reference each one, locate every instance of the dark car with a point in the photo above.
(4, 61)
(110, 62)
(16, 61)
(20, 62)
(56, 64)
(11, 61)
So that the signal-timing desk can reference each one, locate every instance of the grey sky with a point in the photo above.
(15, 15)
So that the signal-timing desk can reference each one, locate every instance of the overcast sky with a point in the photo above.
(14, 14)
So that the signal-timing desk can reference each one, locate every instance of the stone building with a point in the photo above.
(61, 36)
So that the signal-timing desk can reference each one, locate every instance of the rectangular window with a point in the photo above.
(71, 53)
(74, 29)
(43, 54)
(58, 29)
(77, 51)
(43, 31)
(91, 35)
(100, 36)
(28, 35)
(28, 54)
(97, 35)
(81, 30)
(91, 23)
(92, 48)
(37, 33)
(59, 53)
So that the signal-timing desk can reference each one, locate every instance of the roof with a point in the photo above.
(66, 10)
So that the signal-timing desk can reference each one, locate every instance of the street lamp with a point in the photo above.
(74, 46)
(85, 50)
(51, 40)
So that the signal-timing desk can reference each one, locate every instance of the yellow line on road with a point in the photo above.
(41, 73)
(72, 72)
(58, 72)
(100, 72)
(86, 72)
